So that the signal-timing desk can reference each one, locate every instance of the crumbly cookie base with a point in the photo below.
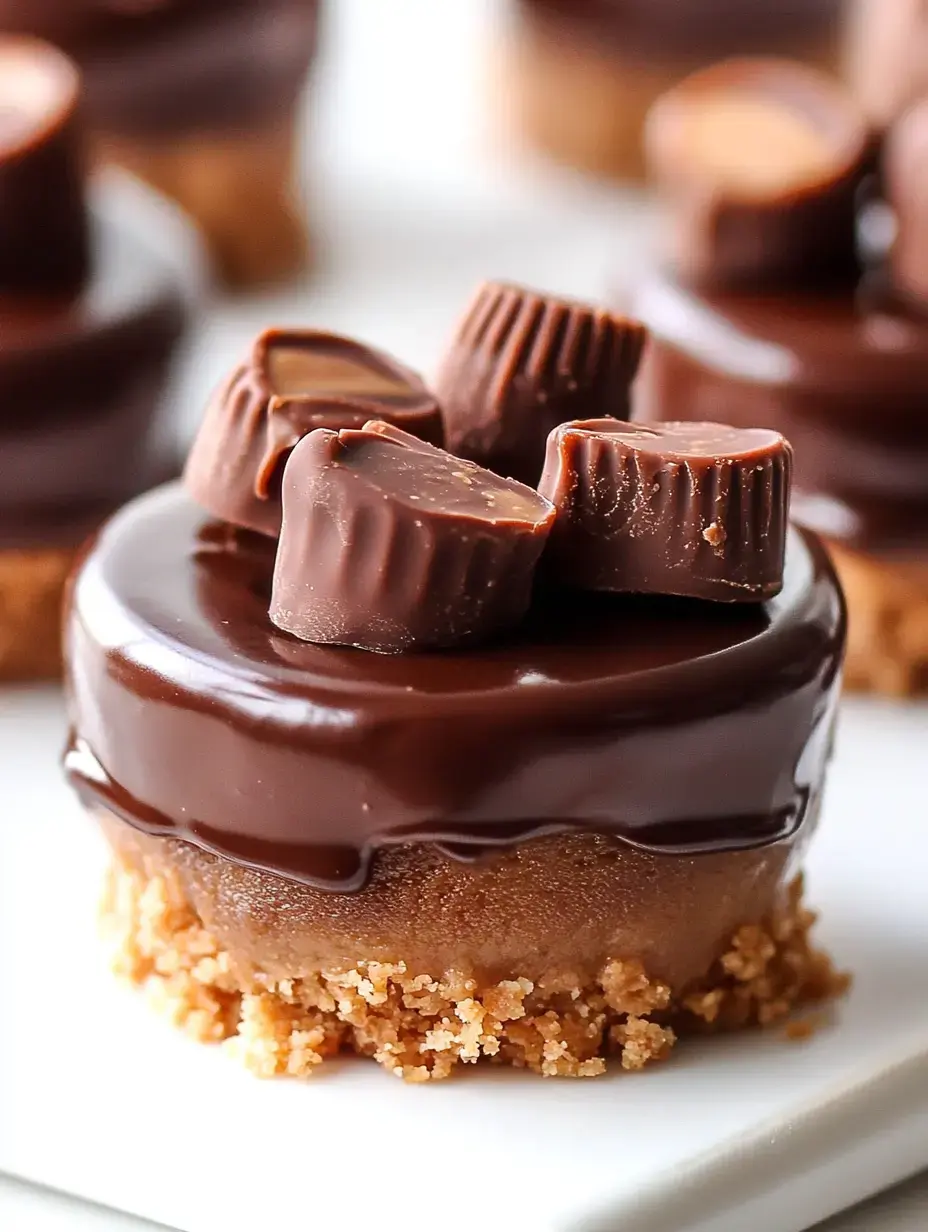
(31, 588)
(240, 190)
(422, 1025)
(887, 623)
(586, 106)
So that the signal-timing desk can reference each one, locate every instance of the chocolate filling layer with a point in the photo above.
(80, 381)
(671, 724)
(841, 374)
(179, 65)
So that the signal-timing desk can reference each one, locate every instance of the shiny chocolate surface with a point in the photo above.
(671, 724)
(684, 30)
(841, 374)
(81, 378)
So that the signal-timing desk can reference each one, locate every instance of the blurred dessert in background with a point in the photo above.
(887, 56)
(90, 314)
(582, 73)
(199, 98)
(780, 304)
(397, 755)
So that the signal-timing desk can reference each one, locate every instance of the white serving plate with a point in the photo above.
(100, 1098)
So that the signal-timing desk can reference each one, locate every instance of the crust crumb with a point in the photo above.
(421, 1026)
(804, 1028)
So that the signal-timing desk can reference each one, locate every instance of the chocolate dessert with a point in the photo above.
(779, 305)
(379, 775)
(199, 97)
(887, 56)
(89, 318)
(583, 73)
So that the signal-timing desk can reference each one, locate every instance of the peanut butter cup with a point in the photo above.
(580, 75)
(887, 56)
(520, 363)
(692, 509)
(574, 831)
(390, 544)
(200, 98)
(839, 367)
(293, 381)
(90, 314)
(761, 162)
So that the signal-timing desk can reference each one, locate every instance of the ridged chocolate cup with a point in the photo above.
(43, 214)
(390, 544)
(293, 382)
(691, 509)
(760, 161)
(906, 176)
(522, 362)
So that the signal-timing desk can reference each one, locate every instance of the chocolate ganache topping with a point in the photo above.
(677, 725)
(688, 30)
(90, 313)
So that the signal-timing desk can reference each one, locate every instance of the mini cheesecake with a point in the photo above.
(779, 304)
(381, 773)
(90, 316)
(581, 74)
(199, 98)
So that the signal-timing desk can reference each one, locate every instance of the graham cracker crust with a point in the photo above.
(31, 588)
(887, 623)
(423, 1025)
(240, 190)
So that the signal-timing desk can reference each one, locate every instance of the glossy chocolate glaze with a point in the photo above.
(668, 724)
(80, 381)
(689, 30)
(174, 66)
(841, 374)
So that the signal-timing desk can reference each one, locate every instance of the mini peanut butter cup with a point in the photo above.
(44, 235)
(906, 176)
(390, 544)
(698, 510)
(293, 382)
(760, 161)
(522, 362)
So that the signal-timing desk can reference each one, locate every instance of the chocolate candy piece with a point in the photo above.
(906, 175)
(760, 161)
(390, 544)
(887, 55)
(522, 362)
(44, 244)
(693, 509)
(294, 380)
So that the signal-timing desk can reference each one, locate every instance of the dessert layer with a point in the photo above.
(686, 30)
(672, 725)
(156, 69)
(841, 374)
(80, 382)
(237, 955)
